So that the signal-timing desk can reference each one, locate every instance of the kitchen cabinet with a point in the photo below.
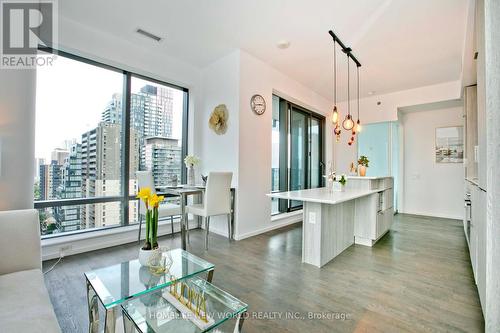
(374, 213)
(477, 240)
(480, 225)
(470, 133)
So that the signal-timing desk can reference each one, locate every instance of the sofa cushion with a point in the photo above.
(25, 304)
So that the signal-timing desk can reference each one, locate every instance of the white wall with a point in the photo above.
(257, 77)
(220, 85)
(429, 188)
(17, 138)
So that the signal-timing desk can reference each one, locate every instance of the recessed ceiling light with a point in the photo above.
(371, 92)
(283, 44)
(148, 34)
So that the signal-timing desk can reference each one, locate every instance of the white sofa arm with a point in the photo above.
(20, 246)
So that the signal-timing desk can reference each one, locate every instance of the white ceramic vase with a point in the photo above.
(144, 256)
(191, 180)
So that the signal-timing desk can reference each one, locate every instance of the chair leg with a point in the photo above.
(172, 224)
(229, 227)
(207, 227)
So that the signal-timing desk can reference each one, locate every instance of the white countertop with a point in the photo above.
(322, 195)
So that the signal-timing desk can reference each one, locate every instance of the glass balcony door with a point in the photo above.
(297, 151)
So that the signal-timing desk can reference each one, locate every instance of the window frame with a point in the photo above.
(125, 196)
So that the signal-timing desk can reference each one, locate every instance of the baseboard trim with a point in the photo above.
(449, 217)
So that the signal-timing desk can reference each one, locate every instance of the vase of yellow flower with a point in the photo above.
(151, 201)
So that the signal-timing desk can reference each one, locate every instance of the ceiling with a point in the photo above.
(402, 44)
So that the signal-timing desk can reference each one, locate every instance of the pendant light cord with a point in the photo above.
(358, 91)
(334, 73)
(348, 86)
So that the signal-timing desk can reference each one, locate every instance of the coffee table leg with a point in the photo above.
(239, 322)
(183, 222)
(128, 326)
(110, 322)
(93, 309)
(210, 275)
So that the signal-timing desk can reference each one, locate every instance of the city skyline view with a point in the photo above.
(60, 104)
(86, 100)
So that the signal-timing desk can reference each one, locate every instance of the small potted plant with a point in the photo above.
(342, 181)
(151, 201)
(362, 165)
(190, 161)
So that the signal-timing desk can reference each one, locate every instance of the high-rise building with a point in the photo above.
(151, 114)
(50, 178)
(113, 112)
(38, 162)
(59, 155)
(68, 218)
(163, 158)
(158, 111)
(102, 174)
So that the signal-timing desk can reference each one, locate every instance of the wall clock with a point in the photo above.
(258, 104)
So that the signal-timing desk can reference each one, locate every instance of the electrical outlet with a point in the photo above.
(64, 249)
(312, 217)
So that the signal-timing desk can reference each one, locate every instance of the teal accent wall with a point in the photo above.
(380, 143)
(373, 142)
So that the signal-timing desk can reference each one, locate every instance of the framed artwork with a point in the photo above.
(449, 146)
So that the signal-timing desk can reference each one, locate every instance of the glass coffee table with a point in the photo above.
(111, 286)
(160, 312)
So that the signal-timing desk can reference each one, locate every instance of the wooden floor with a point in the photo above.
(416, 279)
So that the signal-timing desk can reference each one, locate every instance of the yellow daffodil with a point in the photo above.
(154, 200)
(144, 194)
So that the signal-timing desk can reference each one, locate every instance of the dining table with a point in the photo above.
(197, 191)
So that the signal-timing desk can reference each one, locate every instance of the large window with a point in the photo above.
(297, 151)
(96, 126)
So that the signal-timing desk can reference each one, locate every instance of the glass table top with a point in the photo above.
(118, 283)
(156, 312)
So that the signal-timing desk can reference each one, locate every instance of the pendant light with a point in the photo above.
(348, 123)
(335, 113)
(357, 128)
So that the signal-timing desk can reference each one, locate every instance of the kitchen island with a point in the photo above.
(333, 221)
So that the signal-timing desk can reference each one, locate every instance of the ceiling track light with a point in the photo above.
(348, 123)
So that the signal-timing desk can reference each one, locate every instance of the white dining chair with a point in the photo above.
(216, 201)
(145, 179)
